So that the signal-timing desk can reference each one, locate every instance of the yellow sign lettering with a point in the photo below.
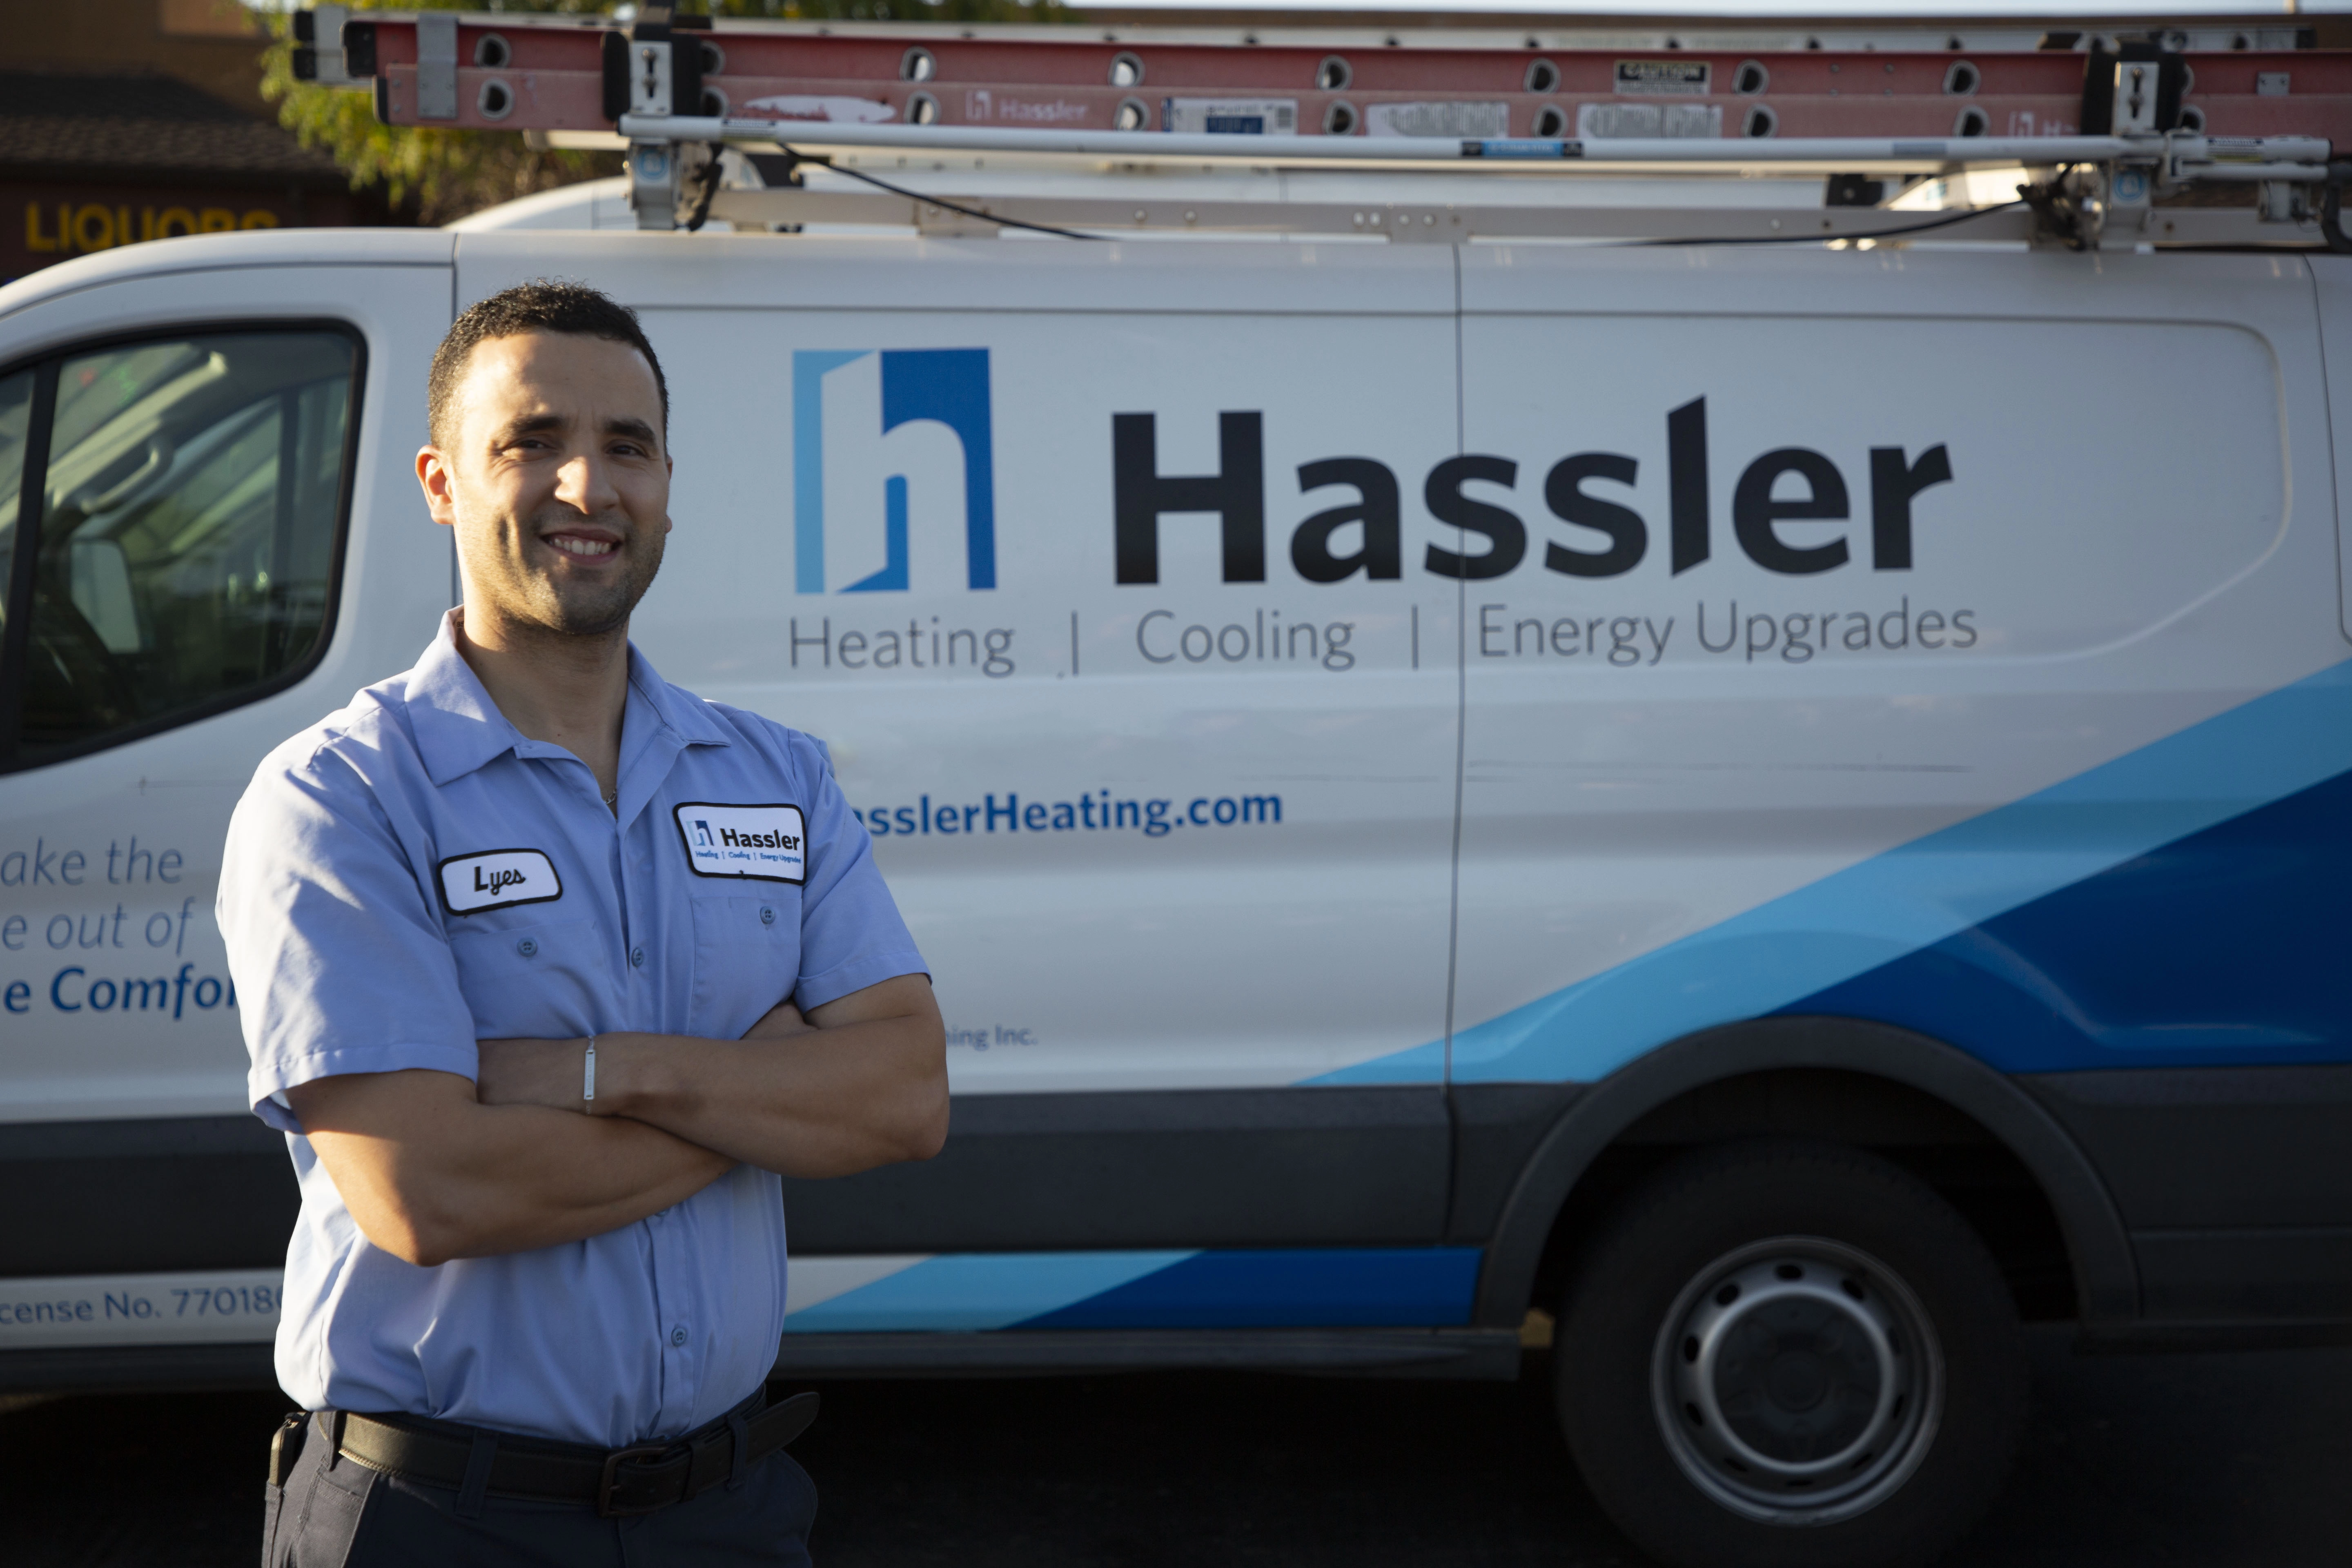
(93, 228)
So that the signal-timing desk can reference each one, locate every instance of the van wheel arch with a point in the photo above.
(1525, 1240)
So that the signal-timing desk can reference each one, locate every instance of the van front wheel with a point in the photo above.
(1789, 1354)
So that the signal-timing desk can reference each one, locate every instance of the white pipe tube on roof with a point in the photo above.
(1515, 151)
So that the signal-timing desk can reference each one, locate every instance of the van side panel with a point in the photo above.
(109, 861)
(1039, 601)
(1171, 819)
(2097, 838)
(2233, 1182)
(130, 1148)
(1193, 1168)
(1356, 729)
(1883, 621)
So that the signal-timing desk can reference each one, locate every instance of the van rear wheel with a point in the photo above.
(1781, 1353)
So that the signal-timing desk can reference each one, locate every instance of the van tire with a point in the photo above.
(1879, 1440)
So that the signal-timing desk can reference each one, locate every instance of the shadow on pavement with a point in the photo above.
(2203, 1461)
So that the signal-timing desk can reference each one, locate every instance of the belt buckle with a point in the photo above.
(605, 1507)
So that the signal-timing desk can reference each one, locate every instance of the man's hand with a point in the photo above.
(862, 1081)
(430, 1173)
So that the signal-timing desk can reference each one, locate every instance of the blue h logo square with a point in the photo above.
(946, 386)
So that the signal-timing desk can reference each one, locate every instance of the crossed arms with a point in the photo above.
(433, 1167)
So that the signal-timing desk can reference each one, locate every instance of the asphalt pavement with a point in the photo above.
(2198, 1460)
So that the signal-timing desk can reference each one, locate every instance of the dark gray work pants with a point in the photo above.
(345, 1515)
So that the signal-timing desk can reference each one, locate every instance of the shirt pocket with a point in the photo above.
(747, 958)
(542, 980)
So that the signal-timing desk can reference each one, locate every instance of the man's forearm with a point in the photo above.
(866, 1088)
(545, 1176)
(825, 1102)
(430, 1173)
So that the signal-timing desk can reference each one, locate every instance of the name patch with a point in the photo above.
(762, 843)
(498, 879)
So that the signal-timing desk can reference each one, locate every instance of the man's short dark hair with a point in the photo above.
(543, 305)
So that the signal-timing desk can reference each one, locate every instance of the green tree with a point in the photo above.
(440, 174)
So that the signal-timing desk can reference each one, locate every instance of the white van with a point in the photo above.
(1781, 811)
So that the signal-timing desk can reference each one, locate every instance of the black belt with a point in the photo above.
(638, 1479)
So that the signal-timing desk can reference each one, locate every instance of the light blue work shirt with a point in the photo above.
(374, 921)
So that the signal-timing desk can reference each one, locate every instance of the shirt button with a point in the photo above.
(528, 948)
(638, 956)
(767, 916)
(678, 1335)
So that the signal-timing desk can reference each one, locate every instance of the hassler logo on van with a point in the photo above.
(860, 418)
(1663, 801)
(1760, 504)
(847, 404)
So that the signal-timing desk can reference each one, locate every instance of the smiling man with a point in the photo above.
(551, 968)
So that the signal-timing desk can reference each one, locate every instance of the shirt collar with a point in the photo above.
(459, 728)
(683, 712)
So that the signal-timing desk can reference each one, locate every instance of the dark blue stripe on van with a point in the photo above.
(2233, 945)
(1943, 893)
(1279, 1288)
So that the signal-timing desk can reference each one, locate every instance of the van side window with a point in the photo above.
(189, 496)
(16, 418)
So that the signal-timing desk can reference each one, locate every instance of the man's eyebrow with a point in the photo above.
(534, 424)
(635, 430)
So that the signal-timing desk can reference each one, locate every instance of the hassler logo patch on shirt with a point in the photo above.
(764, 843)
(498, 879)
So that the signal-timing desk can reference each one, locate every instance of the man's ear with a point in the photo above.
(434, 474)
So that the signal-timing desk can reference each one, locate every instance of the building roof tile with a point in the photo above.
(61, 125)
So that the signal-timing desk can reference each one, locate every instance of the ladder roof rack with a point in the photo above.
(2101, 139)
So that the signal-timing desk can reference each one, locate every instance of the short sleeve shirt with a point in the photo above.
(413, 875)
